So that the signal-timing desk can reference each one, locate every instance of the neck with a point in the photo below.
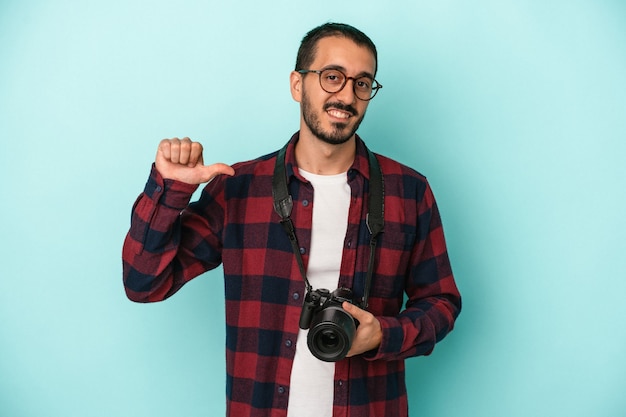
(318, 157)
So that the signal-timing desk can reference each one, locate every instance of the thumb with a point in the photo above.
(354, 311)
(211, 171)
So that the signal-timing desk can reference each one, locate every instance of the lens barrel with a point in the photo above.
(331, 334)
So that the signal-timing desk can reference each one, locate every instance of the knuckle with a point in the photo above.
(170, 143)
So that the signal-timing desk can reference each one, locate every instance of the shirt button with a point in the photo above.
(349, 244)
(158, 189)
(296, 296)
(340, 383)
(288, 342)
(302, 251)
(281, 390)
(305, 203)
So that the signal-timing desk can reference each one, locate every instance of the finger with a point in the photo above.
(165, 149)
(184, 151)
(195, 154)
(174, 150)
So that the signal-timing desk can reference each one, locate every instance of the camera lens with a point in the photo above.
(331, 334)
(329, 339)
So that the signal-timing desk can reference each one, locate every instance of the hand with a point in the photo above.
(369, 333)
(181, 160)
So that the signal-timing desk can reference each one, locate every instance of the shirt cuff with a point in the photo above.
(170, 193)
(391, 342)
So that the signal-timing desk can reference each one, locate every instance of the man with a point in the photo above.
(333, 185)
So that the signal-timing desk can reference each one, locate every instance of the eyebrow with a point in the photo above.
(340, 68)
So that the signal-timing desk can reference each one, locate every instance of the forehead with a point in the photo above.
(340, 52)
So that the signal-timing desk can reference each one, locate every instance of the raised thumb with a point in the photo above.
(211, 171)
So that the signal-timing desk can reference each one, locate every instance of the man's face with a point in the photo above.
(334, 117)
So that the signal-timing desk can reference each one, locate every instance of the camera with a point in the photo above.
(331, 328)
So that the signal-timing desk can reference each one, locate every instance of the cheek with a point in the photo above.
(362, 106)
(312, 101)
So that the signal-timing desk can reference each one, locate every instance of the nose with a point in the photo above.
(346, 94)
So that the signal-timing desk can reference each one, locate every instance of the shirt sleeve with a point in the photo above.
(158, 254)
(434, 301)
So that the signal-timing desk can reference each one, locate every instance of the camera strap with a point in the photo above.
(283, 205)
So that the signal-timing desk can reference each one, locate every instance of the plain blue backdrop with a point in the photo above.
(514, 110)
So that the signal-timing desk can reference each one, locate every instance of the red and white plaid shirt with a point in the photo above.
(234, 224)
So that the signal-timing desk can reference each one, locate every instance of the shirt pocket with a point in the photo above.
(393, 262)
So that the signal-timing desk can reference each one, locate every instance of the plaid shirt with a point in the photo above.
(233, 223)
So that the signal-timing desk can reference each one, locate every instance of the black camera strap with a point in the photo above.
(283, 205)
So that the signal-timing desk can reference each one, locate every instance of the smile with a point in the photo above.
(338, 114)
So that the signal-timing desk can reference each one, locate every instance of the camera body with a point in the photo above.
(331, 328)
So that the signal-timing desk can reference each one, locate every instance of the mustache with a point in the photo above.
(340, 106)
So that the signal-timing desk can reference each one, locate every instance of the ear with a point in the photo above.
(295, 82)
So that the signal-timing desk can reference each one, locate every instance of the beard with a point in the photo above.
(339, 133)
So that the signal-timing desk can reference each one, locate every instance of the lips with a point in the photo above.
(340, 111)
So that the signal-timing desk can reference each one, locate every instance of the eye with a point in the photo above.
(363, 84)
(332, 77)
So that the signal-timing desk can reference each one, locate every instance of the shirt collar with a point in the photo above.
(360, 163)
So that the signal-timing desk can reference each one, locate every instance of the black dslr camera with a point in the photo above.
(331, 328)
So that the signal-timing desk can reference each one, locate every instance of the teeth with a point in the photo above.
(338, 114)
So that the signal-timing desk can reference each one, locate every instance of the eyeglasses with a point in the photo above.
(333, 81)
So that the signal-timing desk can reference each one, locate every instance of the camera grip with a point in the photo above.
(310, 304)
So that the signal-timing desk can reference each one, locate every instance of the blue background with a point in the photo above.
(515, 110)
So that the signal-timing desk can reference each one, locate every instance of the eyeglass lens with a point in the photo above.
(333, 80)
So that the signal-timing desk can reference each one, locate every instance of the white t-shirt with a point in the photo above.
(312, 381)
